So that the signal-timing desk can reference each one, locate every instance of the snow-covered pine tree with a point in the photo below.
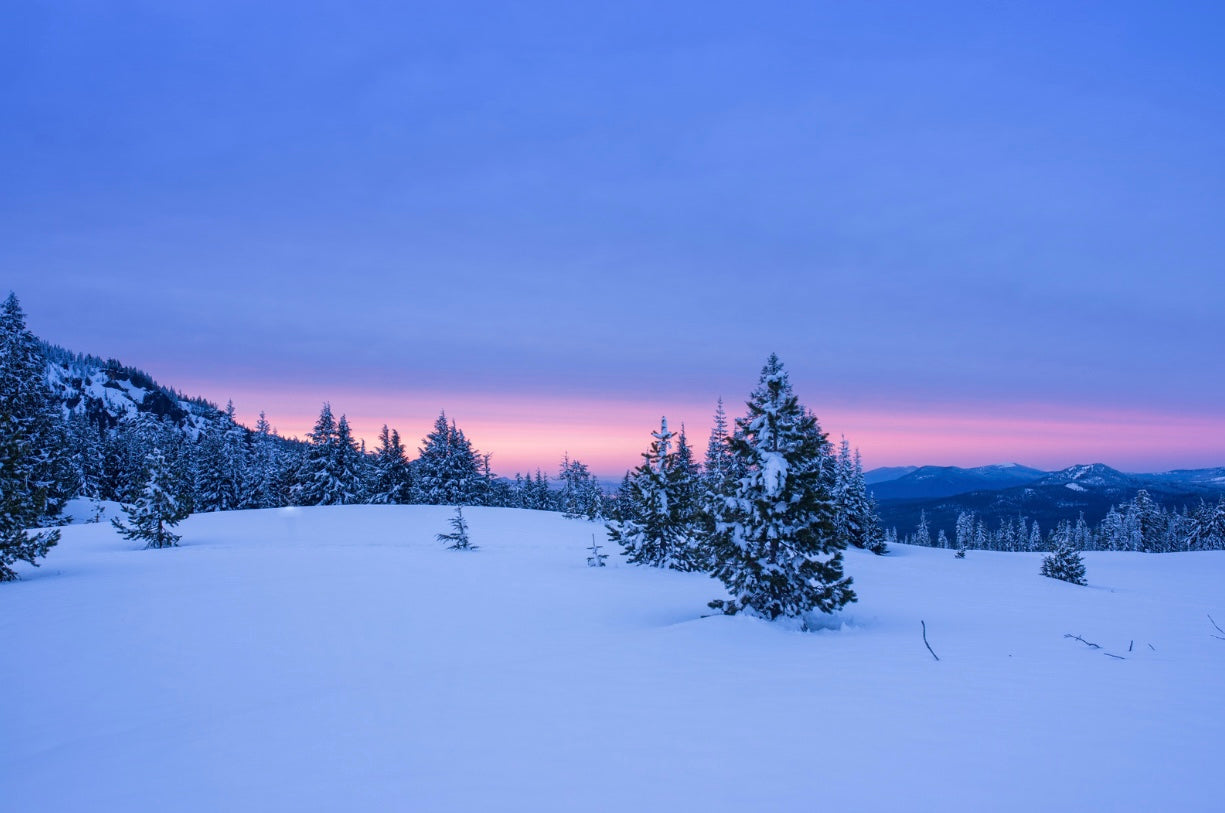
(687, 503)
(458, 538)
(1035, 537)
(718, 464)
(214, 489)
(775, 547)
(922, 535)
(393, 481)
(1206, 528)
(597, 557)
(1064, 562)
(854, 509)
(622, 505)
(352, 473)
(318, 479)
(160, 505)
(963, 530)
(580, 495)
(265, 473)
(448, 470)
(656, 534)
(34, 469)
(1148, 522)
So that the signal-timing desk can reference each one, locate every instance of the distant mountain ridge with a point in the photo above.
(945, 481)
(886, 473)
(1051, 497)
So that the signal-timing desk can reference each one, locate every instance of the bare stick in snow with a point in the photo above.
(1108, 655)
(1218, 629)
(1082, 640)
(929, 646)
(1130, 644)
(1150, 646)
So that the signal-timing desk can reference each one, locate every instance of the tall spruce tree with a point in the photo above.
(855, 511)
(717, 467)
(320, 477)
(686, 479)
(352, 471)
(775, 546)
(656, 532)
(393, 481)
(34, 470)
(265, 473)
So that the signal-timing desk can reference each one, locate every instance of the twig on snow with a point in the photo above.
(1082, 640)
(929, 646)
(1108, 655)
(1218, 629)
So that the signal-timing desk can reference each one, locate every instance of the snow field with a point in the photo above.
(341, 659)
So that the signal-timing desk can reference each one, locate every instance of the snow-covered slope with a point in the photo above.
(109, 393)
(341, 659)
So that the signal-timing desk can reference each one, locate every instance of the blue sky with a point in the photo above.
(954, 213)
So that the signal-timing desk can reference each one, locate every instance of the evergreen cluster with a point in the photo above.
(769, 513)
(1140, 524)
(78, 426)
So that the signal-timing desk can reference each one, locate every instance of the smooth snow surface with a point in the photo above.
(338, 659)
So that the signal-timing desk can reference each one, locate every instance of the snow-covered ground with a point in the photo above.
(341, 659)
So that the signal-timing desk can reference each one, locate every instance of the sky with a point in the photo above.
(974, 233)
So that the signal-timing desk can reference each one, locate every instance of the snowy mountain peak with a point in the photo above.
(1089, 475)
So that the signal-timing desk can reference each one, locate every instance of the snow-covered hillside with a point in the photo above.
(109, 393)
(341, 659)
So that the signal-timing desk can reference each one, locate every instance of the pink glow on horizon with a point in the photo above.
(528, 431)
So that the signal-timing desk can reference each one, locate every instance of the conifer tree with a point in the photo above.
(1206, 528)
(393, 482)
(33, 468)
(775, 546)
(1064, 562)
(160, 505)
(581, 495)
(624, 508)
(717, 467)
(265, 474)
(1148, 522)
(686, 486)
(458, 538)
(448, 470)
(1035, 537)
(656, 534)
(855, 517)
(597, 557)
(350, 466)
(318, 480)
(922, 534)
